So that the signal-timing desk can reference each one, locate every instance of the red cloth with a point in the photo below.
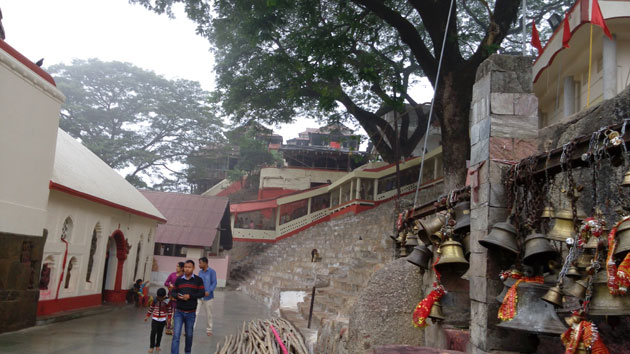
(566, 31)
(585, 332)
(598, 19)
(423, 309)
(536, 38)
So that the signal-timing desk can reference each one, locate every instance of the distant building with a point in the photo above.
(198, 226)
(434, 137)
(561, 74)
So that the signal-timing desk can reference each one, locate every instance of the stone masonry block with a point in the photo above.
(480, 151)
(512, 149)
(475, 236)
(498, 195)
(478, 264)
(478, 290)
(502, 103)
(478, 334)
(479, 218)
(481, 194)
(478, 313)
(526, 104)
(479, 110)
(497, 171)
(481, 88)
(513, 126)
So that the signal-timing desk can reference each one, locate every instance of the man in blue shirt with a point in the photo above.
(209, 277)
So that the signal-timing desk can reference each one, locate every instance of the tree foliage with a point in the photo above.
(134, 119)
(277, 59)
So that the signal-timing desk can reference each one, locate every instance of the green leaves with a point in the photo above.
(134, 119)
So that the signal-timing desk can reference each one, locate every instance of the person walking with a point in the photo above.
(169, 284)
(160, 313)
(187, 290)
(209, 277)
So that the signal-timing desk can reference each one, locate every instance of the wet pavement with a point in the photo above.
(123, 330)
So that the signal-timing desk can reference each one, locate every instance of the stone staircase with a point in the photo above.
(351, 247)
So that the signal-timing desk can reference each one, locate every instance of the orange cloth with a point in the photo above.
(585, 332)
(507, 311)
(422, 311)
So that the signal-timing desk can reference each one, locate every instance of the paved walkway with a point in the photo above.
(123, 331)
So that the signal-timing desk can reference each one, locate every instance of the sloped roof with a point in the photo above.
(78, 171)
(193, 220)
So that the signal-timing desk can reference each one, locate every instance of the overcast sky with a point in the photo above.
(61, 30)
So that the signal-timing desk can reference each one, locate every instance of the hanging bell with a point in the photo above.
(466, 245)
(603, 303)
(401, 237)
(538, 250)
(584, 260)
(437, 238)
(626, 179)
(462, 215)
(507, 284)
(623, 238)
(436, 312)
(563, 226)
(412, 240)
(420, 256)
(429, 227)
(573, 272)
(547, 212)
(502, 237)
(554, 296)
(452, 258)
(578, 289)
(532, 313)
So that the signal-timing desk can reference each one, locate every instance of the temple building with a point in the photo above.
(561, 74)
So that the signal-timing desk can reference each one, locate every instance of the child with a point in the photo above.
(161, 312)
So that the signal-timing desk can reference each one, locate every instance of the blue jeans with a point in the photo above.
(179, 319)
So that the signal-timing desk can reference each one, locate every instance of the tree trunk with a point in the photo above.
(453, 105)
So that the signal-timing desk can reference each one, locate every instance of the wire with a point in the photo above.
(437, 81)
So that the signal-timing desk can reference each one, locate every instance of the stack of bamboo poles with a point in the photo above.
(258, 337)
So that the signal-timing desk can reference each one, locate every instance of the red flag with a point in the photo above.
(598, 19)
(535, 38)
(566, 33)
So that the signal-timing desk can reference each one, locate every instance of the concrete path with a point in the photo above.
(123, 330)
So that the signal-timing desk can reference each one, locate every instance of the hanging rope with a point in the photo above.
(437, 81)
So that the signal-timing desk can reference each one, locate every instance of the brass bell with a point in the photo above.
(573, 272)
(623, 238)
(626, 179)
(420, 256)
(554, 296)
(462, 215)
(563, 226)
(436, 312)
(581, 348)
(532, 313)
(430, 226)
(603, 303)
(538, 250)
(502, 237)
(578, 289)
(452, 258)
(437, 238)
(547, 212)
(401, 237)
(584, 260)
(412, 240)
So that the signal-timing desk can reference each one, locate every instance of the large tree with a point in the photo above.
(134, 119)
(278, 59)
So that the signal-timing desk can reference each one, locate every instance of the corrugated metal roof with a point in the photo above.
(193, 220)
(79, 170)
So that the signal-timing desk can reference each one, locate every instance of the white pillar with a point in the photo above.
(609, 67)
(569, 96)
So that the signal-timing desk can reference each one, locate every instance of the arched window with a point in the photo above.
(47, 273)
(66, 229)
(71, 273)
(95, 235)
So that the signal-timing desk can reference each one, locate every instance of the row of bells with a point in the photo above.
(453, 254)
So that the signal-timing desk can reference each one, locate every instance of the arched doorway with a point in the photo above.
(116, 246)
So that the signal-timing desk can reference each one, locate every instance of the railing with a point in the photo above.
(361, 189)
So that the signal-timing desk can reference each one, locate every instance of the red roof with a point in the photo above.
(193, 220)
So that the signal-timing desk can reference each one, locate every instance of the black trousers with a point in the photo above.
(157, 327)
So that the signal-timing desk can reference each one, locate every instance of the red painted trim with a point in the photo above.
(63, 269)
(558, 29)
(62, 188)
(48, 307)
(22, 59)
(121, 256)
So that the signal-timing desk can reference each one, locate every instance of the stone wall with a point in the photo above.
(20, 261)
